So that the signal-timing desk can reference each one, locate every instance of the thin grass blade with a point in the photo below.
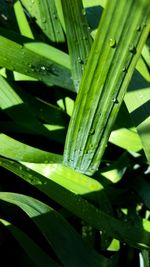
(46, 16)
(78, 37)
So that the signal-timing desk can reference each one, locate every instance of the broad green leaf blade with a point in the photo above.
(78, 37)
(138, 104)
(22, 20)
(74, 182)
(127, 139)
(32, 63)
(16, 150)
(114, 54)
(46, 16)
(37, 255)
(64, 240)
(136, 236)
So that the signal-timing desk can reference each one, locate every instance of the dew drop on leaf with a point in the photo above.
(43, 68)
(83, 11)
(124, 69)
(138, 28)
(132, 49)
(114, 99)
(92, 131)
(112, 42)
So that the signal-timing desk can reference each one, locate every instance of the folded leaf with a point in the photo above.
(114, 54)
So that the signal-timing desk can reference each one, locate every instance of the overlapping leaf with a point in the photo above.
(137, 236)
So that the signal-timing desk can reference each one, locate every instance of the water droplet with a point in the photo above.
(43, 68)
(55, 15)
(114, 99)
(138, 28)
(76, 83)
(92, 131)
(83, 11)
(112, 42)
(32, 67)
(144, 24)
(20, 168)
(85, 38)
(124, 69)
(80, 60)
(132, 49)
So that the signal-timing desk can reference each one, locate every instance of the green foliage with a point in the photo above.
(58, 63)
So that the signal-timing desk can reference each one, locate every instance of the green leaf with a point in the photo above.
(142, 68)
(126, 138)
(16, 150)
(115, 171)
(136, 236)
(32, 63)
(22, 20)
(74, 182)
(138, 103)
(78, 37)
(64, 240)
(91, 3)
(124, 133)
(113, 57)
(46, 16)
(37, 255)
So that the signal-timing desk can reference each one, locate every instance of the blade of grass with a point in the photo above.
(114, 54)
(74, 182)
(46, 16)
(64, 240)
(78, 37)
(136, 236)
(22, 20)
(32, 63)
(16, 150)
(37, 255)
